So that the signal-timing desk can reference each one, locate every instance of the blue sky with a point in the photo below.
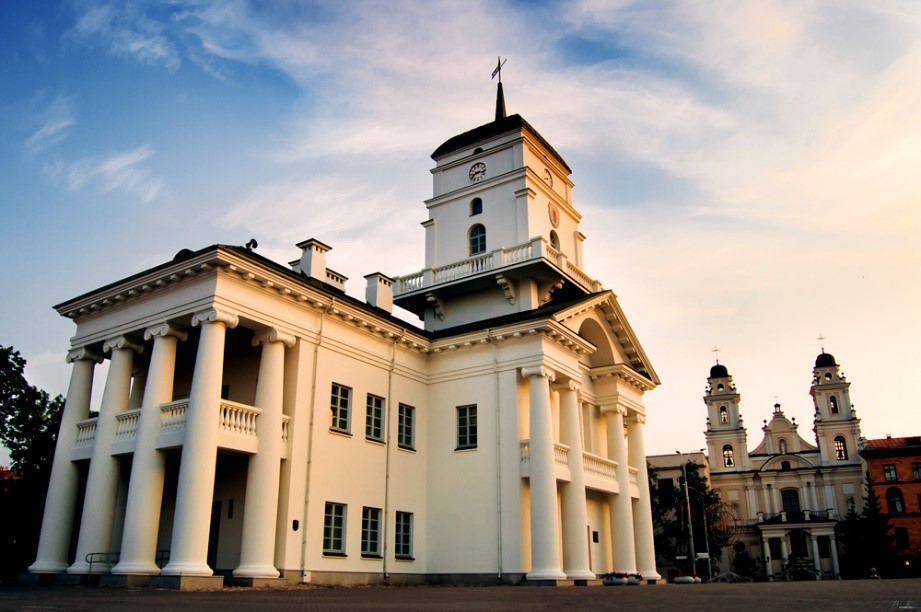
(747, 171)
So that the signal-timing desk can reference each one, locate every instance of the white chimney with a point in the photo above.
(379, 292)
(313, 259)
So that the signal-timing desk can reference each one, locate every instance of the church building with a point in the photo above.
(258, 423)
(788, 494)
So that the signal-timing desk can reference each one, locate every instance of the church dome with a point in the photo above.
(719, 371)
(825, 360)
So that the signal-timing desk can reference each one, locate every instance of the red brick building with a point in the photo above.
(895, 469)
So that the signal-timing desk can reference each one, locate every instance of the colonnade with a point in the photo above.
(191, 523)
(631, 522)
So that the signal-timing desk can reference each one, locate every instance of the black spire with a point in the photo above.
(500, 103)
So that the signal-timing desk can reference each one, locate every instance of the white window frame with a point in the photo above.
(340, 408)
(403, 535)
(370, 532)
(374, 418)
(406, 427)
(334, 523)
(466, 427)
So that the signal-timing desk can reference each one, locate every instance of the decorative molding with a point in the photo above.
(83, 353)
(272, 334)
(613, 409)
(538, 372)
(639, 419)
(436, 304)
(508, 287)
(546, 289)
(569, 385)
(121, 342)
(163, 330)
(213, 315)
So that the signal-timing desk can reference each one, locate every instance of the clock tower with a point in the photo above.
(502, 235)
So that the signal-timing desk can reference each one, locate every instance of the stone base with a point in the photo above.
(73, 579)
(132, 581)
(30, 578)
(551, 582)
(587, 582)
(186, 583)
(259, 583)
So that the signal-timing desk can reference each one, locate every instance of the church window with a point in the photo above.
(783, 446)
(374, 418)
(720, 387)
(724, 415)
(790, 500)
(833, 404)
(840, 448)
(728, 456)
(466, 427)
(916, 471)
(370, 532)
(554, 240)
(403, 535)
(477, 239)
(334, 529)
(889, 472)
(827, 375)
(339, 407)
(894, 501)
(405, 426)
(476, 206)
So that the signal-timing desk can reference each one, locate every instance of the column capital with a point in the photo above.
(273, 334)
(213, 315)
(538, 372)
(614, 409)
(83, 353)
(163, 330)
(121, 342)
(639, 419)
(569, 385)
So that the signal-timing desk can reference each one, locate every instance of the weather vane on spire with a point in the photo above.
(716, 351)
(499, 63)
(821, 340)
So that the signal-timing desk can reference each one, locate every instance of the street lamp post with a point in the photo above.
(703, 516)
(687, 502)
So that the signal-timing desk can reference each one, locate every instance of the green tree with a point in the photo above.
(29, 420)
(866, 538)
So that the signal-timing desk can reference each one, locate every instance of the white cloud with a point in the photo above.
(124, 30)
(123, 172)
(56, 120)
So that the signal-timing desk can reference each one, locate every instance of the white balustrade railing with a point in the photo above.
(238, 418)
(127, 424)
(561, 455)
(86, 432)
(633, 472)
(599, 466)
(173, 415)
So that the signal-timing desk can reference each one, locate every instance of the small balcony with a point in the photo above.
(600, 473)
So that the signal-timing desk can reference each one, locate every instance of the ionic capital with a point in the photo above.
(538, 372)
(162, 330)
(272, 334)
(121, 342)
(614, 409)
(213, 315)
(639, 419)
(569, 385)
(83, 353)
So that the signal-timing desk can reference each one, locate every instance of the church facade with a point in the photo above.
(787, 494)
(257, 422)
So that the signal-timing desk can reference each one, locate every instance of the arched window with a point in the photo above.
(840, 448)
(476, 206)
(833, 404)
(894, 500)
(477, 239)
(783, 446)
(720, 387)
(724, 415)
(728, 456)
(554, 240)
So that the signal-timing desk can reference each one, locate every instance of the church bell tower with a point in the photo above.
(727, 440)
(837, 427)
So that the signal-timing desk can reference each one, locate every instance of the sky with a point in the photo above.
(749, 172)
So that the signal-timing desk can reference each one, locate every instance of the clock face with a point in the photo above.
(554, 212)
(477, 171)
(548, 178)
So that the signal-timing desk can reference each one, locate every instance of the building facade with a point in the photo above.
(894, 466)
(788, 493)
(259, 422)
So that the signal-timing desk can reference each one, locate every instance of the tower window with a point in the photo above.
(783, 446)
(554, 240)
(833, 404)
(894, 501)
(728, 456)
(840, 448)
(720, 387)
(724, 415)
(477, 239)
(790, 500)
(476, 206)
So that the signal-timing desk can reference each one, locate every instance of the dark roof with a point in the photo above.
(489, 130)
(719, 371)
(825, 360)
(882, 443)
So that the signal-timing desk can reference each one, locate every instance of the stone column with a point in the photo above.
(830, 500)
(817, 561)
(145, 489)
(575, 514)
(102, 481)
(751, 500)
(833, 548)
(545, 541)
(766, 556)
(621, 506)
(54, 541)
(195, 491)
(260, 506)
(784, 553)
(766, 498)
(642, 517)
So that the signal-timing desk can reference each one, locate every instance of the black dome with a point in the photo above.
(825, 360)
(719, 371)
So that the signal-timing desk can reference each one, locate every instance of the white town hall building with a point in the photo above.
(258, 422)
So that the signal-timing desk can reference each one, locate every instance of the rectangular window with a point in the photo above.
(339, 407)
(374, 418)
(406, 427)
(901, 537)
(370, 532)
(889, 472)
(916, 471)
(466, 427)
(403, 534)
(334, 529)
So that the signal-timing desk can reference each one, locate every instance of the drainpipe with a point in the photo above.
(313, 397)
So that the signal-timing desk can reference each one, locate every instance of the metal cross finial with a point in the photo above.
(499, 63)
(716, 351)
(821, 340)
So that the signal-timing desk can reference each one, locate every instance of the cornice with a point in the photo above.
(548, 328)
(625, 373)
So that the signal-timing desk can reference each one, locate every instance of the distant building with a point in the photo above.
(788, 493)
(894, 465)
